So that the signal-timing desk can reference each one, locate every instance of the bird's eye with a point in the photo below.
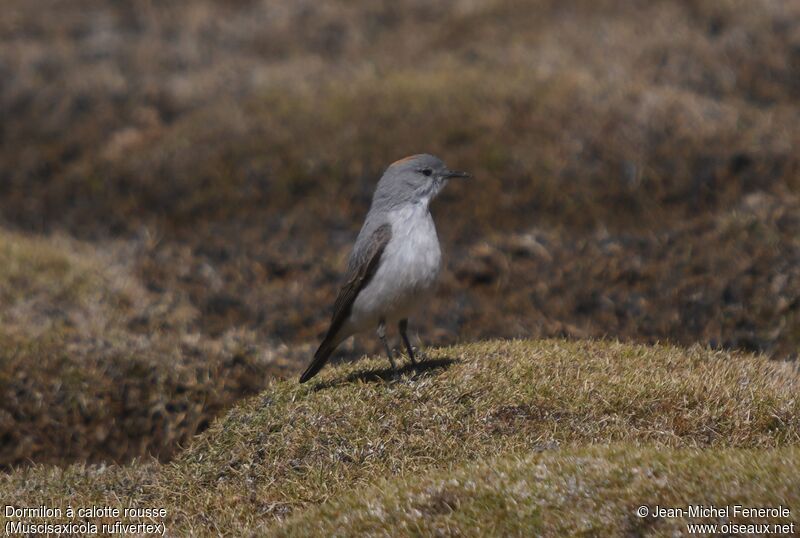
(426, 171)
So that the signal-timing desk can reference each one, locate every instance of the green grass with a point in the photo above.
(308, 451)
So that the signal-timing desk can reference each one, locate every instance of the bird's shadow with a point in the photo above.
(387, 375)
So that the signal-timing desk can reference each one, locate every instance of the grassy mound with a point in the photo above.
(295, 447)
(59, 282)
(594, 491)
(89, 370)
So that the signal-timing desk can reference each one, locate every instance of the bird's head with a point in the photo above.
(414, 179)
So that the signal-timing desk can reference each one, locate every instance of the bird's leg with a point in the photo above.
(382, 336)
(403, 327)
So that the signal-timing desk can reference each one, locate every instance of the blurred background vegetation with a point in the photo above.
(180, 182)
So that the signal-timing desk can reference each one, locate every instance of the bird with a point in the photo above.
(395, 260)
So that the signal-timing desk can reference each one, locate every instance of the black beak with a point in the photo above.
(456, 174)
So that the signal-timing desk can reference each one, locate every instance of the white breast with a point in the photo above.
(407, 273)
(413, 255)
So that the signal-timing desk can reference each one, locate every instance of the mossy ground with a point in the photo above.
(562, 424)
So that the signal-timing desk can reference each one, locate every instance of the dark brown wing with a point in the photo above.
(361, 271)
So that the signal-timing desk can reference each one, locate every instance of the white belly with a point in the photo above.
(408, 270)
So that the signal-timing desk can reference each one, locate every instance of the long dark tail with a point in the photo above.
(320, 358)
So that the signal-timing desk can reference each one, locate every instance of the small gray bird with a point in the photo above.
(396, 258)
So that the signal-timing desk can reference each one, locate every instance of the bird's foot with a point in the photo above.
(418, 357)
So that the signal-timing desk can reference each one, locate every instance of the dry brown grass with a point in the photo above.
(631, 124)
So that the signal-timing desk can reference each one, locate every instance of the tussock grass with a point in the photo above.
(59, 282)
(88, 371)
(298, 446)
